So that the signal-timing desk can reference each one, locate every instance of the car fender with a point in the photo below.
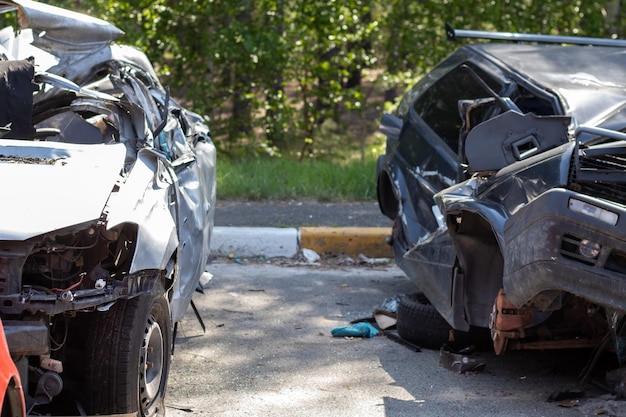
(476, 228)
(144, 199)
(460, 198)
(196, 209)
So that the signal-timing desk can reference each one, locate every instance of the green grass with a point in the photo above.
(286, 179)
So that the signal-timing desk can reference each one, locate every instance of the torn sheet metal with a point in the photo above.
(60, 29)
(78, 182)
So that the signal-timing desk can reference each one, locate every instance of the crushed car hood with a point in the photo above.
(48, 186)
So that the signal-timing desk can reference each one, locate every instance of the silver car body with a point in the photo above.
(139, 169)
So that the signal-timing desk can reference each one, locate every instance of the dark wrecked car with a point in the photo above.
(505, 175)
(108, 192)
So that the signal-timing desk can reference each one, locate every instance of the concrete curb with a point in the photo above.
(272, 242)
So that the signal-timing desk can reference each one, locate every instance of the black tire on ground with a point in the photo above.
(128, 357)
(420, 323)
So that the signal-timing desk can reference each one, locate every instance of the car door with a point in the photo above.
(431, 149)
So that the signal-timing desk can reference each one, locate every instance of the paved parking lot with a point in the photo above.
(268, 351)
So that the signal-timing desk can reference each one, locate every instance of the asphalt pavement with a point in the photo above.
(267, 347)
(268, 351)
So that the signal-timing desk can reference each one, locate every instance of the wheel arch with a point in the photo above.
(387, 201)
(478, 241)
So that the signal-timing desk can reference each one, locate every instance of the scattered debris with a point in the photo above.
(604, 405)
(571, 394)
(569, 403)
(362, 259)
(391, 304)
(386, 315)
(234, 258)
(326, 260)
(346, 261)
(461, 361)
(205, 279)
(362, 329)
(385, 319)
(310, 256)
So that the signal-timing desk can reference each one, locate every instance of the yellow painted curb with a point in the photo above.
(370, 241)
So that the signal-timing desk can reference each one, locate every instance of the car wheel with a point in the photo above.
(129, 357)
(421, 324)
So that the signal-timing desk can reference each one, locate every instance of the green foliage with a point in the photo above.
(285, 77)
(416, 42)
(284, 179)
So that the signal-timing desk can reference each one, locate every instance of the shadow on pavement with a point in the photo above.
(268, 351)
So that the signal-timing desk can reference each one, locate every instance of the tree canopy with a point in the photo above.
(282, 76)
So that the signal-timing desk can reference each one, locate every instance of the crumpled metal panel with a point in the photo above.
(195, 219)
(59, 29)
(72, 43)
(78, 181)
(165, 168)
(511, 137)
(143, 199)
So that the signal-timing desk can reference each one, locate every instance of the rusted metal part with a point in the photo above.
(507, 322)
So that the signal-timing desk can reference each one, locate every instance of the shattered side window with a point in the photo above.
(430, 159)
(438, 106)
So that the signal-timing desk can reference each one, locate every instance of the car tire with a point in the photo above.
(129, 357)
(419, 323)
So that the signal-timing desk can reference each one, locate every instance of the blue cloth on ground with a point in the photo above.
(362, 329)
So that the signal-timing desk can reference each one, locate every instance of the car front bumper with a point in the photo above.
(545, 253)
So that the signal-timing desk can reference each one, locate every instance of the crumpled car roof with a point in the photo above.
(56, 29)
(589, 79)
(72, 43)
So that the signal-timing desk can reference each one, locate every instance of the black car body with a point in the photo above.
(108, 197)
(505, 175)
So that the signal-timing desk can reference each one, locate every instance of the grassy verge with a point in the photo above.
(285, 179)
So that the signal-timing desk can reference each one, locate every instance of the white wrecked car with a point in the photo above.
(108, 195)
